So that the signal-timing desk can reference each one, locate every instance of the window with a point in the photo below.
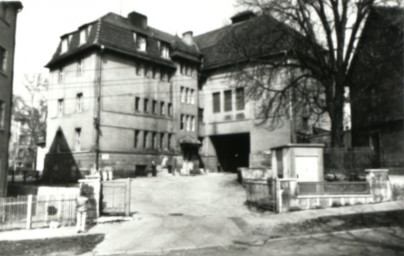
(146, 105)
(137, 104)
(240, 99)
(146, 71)
(145, 139)
(60, 107)
(61, 75)
(188, 123)
(138, 69)
(83, 36)
(170, 109)
(155, 73)
(2, 114)
(140, 42)
(182, 122)
(182, 94)
(161, 141)
(65, 45)
(192, 123)
(216, 102)
(169, 141)
(164, 51)
(77, 143)
(3, 59)
(200, 114)
(79, 68)
(154, 140)
(154, 107)
(162, 108)
(79, 102)
(227, 100)
(136, 139)
(192, 96)
(187, 96)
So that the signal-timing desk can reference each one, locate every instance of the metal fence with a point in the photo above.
(259, 194)
(36, 211)
(332, 188)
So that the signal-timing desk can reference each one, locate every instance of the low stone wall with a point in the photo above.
(327, 201)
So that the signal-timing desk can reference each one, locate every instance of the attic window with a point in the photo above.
(140, 42)
(84, 34)
(164, 51)
(65, 45)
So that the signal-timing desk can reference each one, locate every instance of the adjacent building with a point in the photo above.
(377, 99)
(8, 21)
(126, 96)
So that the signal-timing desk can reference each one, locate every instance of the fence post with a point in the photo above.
(127, 197)
(29, 212)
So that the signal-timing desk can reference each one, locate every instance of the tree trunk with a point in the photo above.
(337, 121)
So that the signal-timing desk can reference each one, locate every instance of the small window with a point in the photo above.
(165, 51)
(61, 76)
(154, 107)
(60, 107)
(170, 109)
(65, 45)
(2, 114)
(216, 102)
(183, 96)
(145, 139)
(187, 95)
(200, 114)
(146, 105)
(192, 96)
(240, 101)
(154, 140)
(187, 123)
(79, 68)
(77, 144)
(193, 125)
(162, 108)
(79, 102)
(182, 122)
(161, 140)
(136, 139)
(228, 100)
(3, 59)
(83, 36)
(137, 104)
(140, 42)
(170, 141)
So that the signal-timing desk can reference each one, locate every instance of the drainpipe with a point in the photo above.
(97, 121)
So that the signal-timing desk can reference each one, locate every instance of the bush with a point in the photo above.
(336, 204)
(397, 192)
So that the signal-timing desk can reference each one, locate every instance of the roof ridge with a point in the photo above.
(97, 32)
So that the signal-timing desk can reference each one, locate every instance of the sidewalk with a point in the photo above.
(160, 233)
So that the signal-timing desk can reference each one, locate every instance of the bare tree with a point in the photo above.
(317, 39)
(32, 113)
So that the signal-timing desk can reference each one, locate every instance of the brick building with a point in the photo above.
(377, 103)
(124, 94)
(8, 21)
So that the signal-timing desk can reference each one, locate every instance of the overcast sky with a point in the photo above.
(41, 23)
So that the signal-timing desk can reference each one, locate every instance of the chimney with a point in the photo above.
(242, 16)
(138, 19)
(188, 38)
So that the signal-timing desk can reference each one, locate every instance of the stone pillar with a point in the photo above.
(379, 184)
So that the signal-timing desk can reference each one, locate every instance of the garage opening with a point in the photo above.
(232, 150)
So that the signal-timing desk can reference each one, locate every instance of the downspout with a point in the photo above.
(97, 118)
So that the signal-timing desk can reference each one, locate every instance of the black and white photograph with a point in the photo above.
(201, 127)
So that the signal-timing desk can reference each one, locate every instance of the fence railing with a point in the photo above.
(332, 188)
(36, 211)
(259, 194)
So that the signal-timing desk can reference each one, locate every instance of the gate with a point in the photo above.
(115, 197)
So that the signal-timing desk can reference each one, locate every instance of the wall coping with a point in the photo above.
(334, 196)
(300, 145)
(376, 170)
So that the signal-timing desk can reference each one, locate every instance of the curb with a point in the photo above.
(153, 253)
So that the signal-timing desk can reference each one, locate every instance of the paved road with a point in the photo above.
(381, 241)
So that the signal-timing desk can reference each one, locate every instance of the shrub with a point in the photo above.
(397, 192)
(336, 204)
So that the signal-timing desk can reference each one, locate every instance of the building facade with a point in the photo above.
(127, 96)
(8, 21)
(377, 90)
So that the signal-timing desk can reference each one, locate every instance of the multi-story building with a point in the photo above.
(8, 21)
(124, 94)
(377, 92)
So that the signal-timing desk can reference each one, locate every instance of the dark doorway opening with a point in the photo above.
(232, 151)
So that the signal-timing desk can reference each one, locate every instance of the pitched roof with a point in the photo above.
(260, 36)
(115, 33)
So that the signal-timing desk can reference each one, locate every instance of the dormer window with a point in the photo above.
(140, 42)
(164, 51)
(84, 34)
(65, 45)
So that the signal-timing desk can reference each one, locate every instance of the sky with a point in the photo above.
(41, 23)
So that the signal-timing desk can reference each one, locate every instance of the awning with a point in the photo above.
(189, 141)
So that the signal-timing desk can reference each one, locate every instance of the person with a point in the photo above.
(81, 213)
(154, 169)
